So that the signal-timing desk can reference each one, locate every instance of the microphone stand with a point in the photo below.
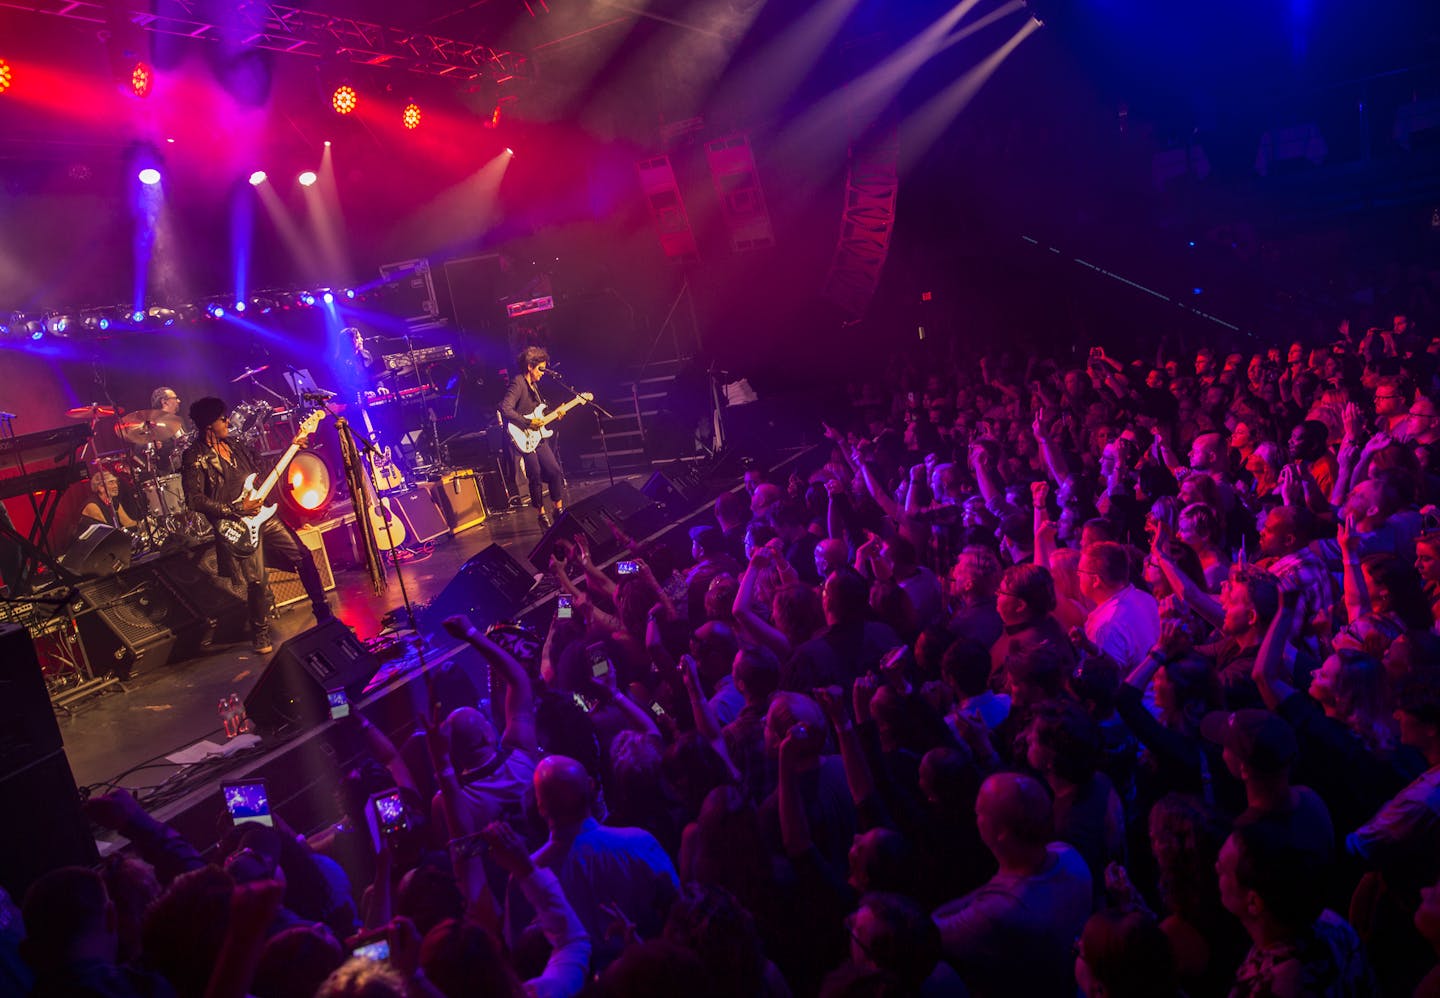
(601, 414)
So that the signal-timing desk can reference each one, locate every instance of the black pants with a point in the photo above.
(542, 463)
(281, 548)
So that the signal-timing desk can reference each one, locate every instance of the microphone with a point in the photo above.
(317, 396)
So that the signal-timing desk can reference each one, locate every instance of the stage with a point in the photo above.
(110, 734)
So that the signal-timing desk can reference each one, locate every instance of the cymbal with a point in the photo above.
(92, 411)
(250, 372)
(148, 426)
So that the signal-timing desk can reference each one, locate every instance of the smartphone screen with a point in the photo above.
(339, 706)
(656, 709)
(564, 607)
(378, 949)
(627, 567)
(248, 802)
(584, 702)
(390, 809)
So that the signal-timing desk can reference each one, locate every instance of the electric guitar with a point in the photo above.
(241, 534)
(528, 439)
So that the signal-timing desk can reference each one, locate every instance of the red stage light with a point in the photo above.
(344, 99)
(308, 488)
(411, 117)
(142, 79)
(6, 77)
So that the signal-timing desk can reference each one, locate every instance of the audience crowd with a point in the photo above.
(1118, 680)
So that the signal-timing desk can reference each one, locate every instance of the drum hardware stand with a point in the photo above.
(70, 652)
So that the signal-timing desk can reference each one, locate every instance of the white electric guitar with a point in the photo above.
(527, 439)
(242, 533)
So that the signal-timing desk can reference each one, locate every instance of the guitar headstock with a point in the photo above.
(310, 422)
(586, 396)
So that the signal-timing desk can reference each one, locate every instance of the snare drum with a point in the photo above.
(165, 493)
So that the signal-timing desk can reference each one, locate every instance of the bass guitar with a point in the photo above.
(241, 534)
(527, 439)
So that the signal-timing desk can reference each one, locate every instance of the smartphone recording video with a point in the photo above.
(627, 567)
(391, 813)
(564, 607)
(587, 704)
(248, 802)
(339, 705)
(371, 946)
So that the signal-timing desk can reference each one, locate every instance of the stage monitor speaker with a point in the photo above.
(676, 493)
(131, 622)
(596, 518)
(422, 518)
(458, 496)
(99, 550)
(489, 588)
(43, 828)
(291, 693)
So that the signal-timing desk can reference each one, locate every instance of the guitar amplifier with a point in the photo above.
(422, 518)
(458, 495)
(285, 586)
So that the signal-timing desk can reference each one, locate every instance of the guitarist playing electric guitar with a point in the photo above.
(523, 409)
(215, 470)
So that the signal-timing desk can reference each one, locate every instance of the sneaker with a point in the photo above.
(544, 520)
(262, 644)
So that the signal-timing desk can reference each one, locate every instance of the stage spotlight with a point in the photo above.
(137, 317)
(328, 297)
(308, 178)
(327, 143)
(350, 294)
(240, 306)
(509, 151)
(142, 79)
(411, 116)
(306, 298)
(149, 176)
(344, 99)
(164, 316)
(215, 311)
(6, 76)
(257, 178)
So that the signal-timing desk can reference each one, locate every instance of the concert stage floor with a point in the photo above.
(109, 735)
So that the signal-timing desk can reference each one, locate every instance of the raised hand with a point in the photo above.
(458, 626)
(507, 849)
(1348, 537)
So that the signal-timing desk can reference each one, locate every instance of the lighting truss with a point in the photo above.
(278, 28)
(871, 188)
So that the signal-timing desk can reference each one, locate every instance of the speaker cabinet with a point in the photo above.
(43, 827)
(285, 586)
(130, 622)
(676, 493)
(490, 587)
(290, 694)
(458, 496)
(99, 550)
(422, 518)
(597, 516)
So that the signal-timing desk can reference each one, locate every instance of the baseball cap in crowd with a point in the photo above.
(1257, 738)
(709, 539)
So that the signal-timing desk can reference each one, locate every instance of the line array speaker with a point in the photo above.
(43, 827)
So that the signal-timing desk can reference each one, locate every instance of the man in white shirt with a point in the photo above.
(1125, 622)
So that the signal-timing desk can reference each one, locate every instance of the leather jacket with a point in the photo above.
(203, 476)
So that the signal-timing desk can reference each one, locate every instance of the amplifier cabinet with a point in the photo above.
(458, 495)
(285, 586)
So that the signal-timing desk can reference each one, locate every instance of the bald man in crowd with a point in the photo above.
(1013, 936)
(596, 864)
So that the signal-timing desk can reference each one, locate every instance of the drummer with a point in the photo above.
(165, 453)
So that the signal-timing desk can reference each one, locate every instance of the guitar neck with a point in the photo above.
(264, 490)
(564, 409)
